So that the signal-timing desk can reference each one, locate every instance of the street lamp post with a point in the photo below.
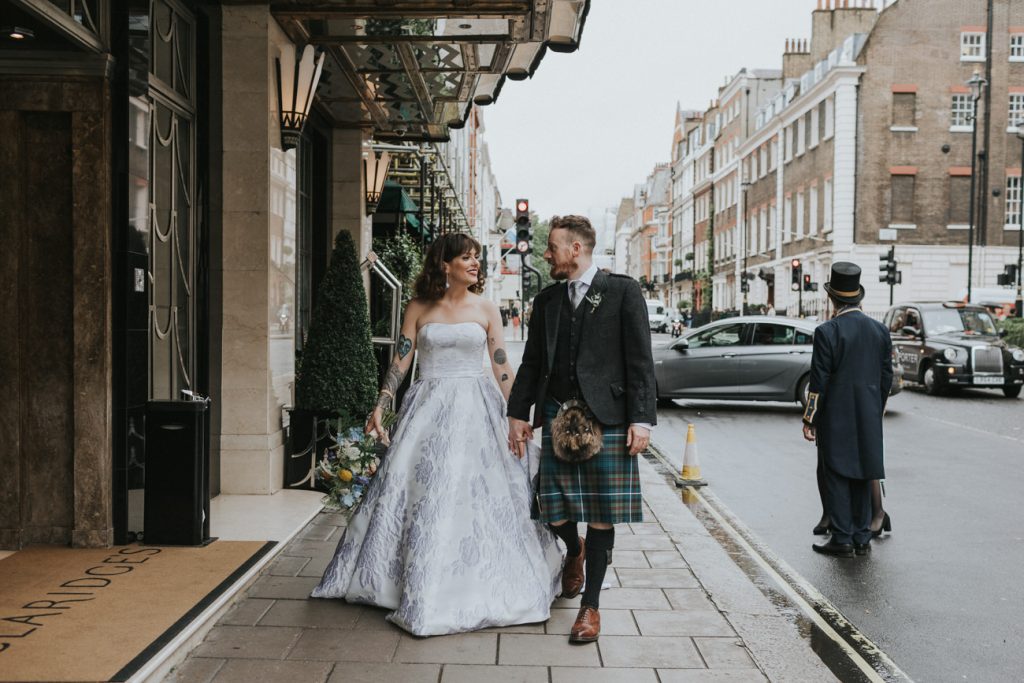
(1018, 305)
(977, 85)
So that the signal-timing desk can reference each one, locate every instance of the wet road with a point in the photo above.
(943, 594)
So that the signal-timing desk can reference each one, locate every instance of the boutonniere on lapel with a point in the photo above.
(594, 300)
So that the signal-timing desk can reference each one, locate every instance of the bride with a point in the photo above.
(443, 536)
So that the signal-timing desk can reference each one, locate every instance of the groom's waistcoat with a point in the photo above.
(564, 384)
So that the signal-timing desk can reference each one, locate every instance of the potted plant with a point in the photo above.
(336, 374)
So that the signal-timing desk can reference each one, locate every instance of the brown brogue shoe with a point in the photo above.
(572, 574)
(587, 628)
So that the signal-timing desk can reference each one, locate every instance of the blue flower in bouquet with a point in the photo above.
(348, 500)
(363, 481)
(355, 435)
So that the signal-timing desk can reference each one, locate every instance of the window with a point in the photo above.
(1016, 109)
(773, 334)
(814, 128)
(752, 234)
(1013, 201)
(766, 240)
(830, 118)
(813, 224)
(1017, 47)
(904, 109)
(961, 112)
(764, 160)
(787, 219)
(773, 155)
(723, 335)
(799, 214)
(901, 200)
(972, 47)
(787, 145)
(960, 197)
(801, 135)
(826, 219)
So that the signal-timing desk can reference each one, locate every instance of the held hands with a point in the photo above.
(810, 433)
(519, 432)
(637, 439)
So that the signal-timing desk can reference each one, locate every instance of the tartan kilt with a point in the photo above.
(604, 489)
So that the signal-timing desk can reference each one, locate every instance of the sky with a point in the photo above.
(591, 124)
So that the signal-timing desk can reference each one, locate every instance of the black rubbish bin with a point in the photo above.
(177, 507)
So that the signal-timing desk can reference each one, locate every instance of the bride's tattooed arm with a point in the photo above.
(496, 350)
(400, 365)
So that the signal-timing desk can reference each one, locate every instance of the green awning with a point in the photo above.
(395, 200)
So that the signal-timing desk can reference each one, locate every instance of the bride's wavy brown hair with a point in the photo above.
(430, 284)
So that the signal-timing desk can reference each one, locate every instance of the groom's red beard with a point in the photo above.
(557, 273)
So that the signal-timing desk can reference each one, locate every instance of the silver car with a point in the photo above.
(754, 358)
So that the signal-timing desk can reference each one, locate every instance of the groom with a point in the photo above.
(589, 339)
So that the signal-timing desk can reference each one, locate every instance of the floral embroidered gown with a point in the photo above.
(443, 536)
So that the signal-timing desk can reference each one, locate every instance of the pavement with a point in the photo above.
(679, 609)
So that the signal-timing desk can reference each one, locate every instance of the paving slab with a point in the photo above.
(724, 653)
(312, 614)
(657, 578)
(283, 587)
(327, 644)
(630, 559)
(664, 559)
(711, 676)
(689, 599)
(247, 670)
(361, 672)
(469, 673)
(614, 622)
(246, 613)
(682, 623)
(287, 566)
(650, 651)
(571, 674)
(195, 670)
(248, 642)
(460, 648)
(553, 650)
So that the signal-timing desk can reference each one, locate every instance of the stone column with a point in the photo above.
(347, 191)
(844, 172)
(249, 435)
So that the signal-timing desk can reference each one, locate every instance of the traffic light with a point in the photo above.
(797, 273)
(524, 233)
(887, 268)
(1008, 276)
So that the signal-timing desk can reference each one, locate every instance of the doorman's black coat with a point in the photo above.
(851, 374)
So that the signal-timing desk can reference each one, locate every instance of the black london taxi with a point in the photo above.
(944, 345)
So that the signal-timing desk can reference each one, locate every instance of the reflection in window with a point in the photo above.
(773, 334)
(729, 335)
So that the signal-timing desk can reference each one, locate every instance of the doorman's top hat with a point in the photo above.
(844, 283)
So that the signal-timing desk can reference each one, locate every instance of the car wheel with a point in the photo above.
(931, 384)
(1011, 392)
(803, 391)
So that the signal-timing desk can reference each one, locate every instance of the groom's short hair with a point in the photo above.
(579, 227)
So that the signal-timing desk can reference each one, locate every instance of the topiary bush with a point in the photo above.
(337, 372)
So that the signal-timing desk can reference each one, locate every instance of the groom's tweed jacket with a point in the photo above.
(614, 366)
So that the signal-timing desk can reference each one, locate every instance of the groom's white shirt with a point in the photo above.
(585, 280)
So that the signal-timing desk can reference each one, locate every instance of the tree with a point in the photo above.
(541, 231)
(337, 372)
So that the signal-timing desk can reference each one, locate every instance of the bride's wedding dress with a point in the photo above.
(444, 536)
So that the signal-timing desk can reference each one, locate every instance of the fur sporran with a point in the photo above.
(576, 435)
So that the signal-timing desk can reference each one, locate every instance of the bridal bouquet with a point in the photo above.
(347, 466)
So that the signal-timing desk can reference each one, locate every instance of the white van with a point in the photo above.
(657, 315)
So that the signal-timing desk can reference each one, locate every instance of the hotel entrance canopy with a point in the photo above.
(409, 70)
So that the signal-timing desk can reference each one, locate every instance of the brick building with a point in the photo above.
(862, 143)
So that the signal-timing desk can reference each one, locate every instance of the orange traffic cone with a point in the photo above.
(691, 463)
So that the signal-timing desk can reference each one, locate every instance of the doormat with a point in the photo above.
(99, 614)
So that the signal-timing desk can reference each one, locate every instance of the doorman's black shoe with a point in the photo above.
(862, 548)
(834, 549)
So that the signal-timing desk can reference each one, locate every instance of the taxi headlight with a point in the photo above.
(1018, 355)
(950, 355)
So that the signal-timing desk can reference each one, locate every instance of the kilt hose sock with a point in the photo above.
(569, 533)
(599, 547)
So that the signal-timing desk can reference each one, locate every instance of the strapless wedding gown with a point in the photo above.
(443, 536)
